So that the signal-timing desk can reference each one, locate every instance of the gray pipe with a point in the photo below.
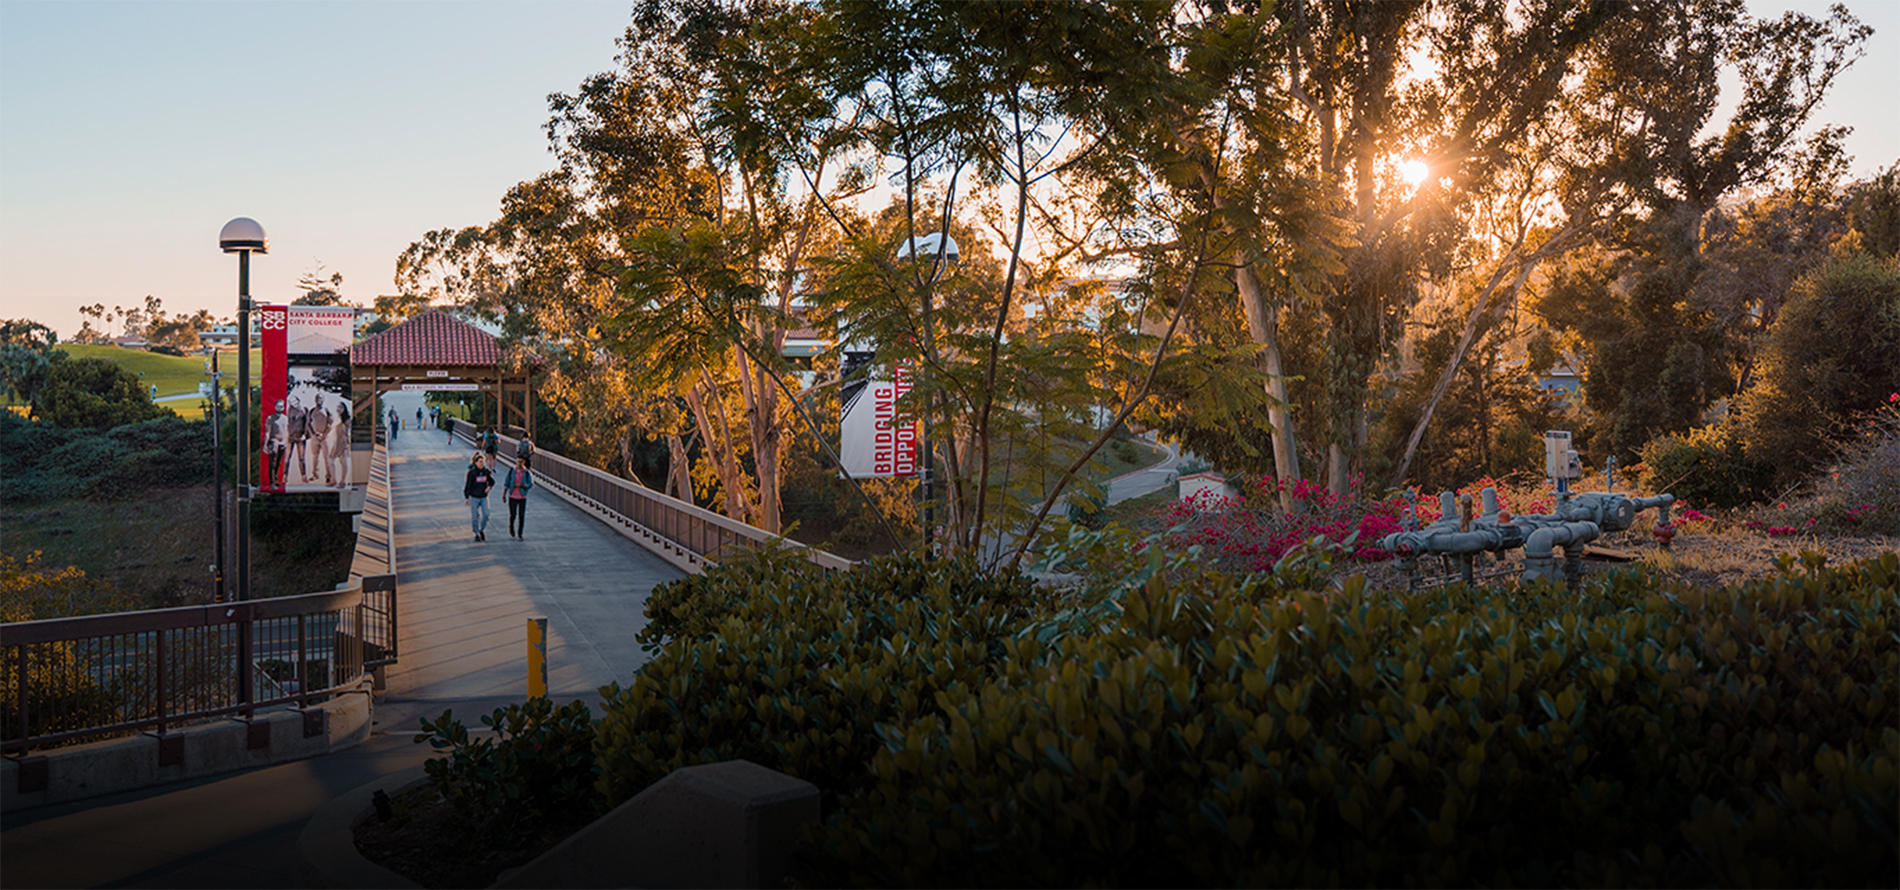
(1538, 561)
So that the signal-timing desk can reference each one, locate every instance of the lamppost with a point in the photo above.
(243, 236)
(941, 250)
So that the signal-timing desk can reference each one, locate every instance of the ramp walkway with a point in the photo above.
(462, 620)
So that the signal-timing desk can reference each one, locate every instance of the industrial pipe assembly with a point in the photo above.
(1576, 520)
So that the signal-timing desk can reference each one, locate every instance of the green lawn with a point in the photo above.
(172, 374)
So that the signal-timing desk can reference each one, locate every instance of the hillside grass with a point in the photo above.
(159, 547)
(172, 374)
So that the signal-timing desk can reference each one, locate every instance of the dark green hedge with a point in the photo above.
(42, 462)
(1258, 732)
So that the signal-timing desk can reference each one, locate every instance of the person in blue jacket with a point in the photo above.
(516, 493)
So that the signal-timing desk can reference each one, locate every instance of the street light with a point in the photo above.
(243, 236)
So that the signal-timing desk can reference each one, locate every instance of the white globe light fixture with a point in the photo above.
(243, 235)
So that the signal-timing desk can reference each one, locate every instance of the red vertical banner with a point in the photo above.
(273, 388)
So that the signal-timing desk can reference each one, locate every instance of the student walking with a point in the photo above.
(491, 443)
(524, 450)
(475, 493)
(519, 481)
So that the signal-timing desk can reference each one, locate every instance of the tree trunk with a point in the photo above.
(679, 472)
(1263, 324)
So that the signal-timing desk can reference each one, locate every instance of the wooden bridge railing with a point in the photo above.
(686, 535)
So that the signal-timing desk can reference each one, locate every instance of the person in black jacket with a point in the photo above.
(475, 494)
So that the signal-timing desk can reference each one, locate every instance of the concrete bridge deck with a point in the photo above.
(463, 611)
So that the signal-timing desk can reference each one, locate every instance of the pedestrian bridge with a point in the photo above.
(594, 546)
(432, 618)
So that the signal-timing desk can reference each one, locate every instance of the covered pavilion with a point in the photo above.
(436, 351)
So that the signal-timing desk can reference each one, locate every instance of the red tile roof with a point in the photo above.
(432, 337)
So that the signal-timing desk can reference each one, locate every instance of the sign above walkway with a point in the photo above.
(441, 387)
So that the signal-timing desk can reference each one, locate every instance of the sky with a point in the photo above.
(131, 132)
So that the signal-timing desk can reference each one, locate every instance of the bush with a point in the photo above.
(1708, 467)
(1834, 352)
(45, 462)
(776, 661)
(95, 393)
(539, 766)
(1262, 732)
(1861, 493)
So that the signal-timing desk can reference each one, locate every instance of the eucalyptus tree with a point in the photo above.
(1101, 147)
(666, 247)
(1657, 352)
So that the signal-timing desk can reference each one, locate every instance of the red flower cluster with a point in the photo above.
(1691, 515)
(1253, 539)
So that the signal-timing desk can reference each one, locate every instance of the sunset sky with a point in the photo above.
(131, 132)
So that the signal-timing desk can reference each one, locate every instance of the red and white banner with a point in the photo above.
(872, 443)
(305, 395)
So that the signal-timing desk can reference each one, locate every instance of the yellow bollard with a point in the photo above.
(538, 657)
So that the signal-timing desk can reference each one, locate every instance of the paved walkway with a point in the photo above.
(463, 643)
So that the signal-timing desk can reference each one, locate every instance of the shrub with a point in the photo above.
(1262, 731)
(1833, 352)
(1860, 494)
(93, 392)
(1708, 467)
(773, 660)
(540, 765)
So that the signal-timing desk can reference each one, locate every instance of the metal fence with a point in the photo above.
(66, 679)
(689, 536)
(69, 678)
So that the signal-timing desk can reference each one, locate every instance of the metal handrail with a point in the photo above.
(70, 678)
(63, 679)
(698, 535)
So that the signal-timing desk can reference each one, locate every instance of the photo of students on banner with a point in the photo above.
(305, 393)
(872, 444)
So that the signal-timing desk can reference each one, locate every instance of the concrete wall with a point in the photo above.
(207, 749)
(728, 824)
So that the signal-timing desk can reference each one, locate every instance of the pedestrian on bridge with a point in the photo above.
(524, 451)
(519, 481)
(475, 493)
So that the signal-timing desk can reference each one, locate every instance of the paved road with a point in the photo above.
(464, 607)
(1146, 480)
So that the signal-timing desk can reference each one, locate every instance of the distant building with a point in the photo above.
(1211, 486)
(130, 341)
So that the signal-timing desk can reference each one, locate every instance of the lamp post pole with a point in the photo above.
(217, 472)
(244, 427)
(243, 236)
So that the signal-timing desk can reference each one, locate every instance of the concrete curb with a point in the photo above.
(328, 842)
(192, 752)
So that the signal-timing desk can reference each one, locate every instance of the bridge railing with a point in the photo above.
(687, 535)
(65, 679)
